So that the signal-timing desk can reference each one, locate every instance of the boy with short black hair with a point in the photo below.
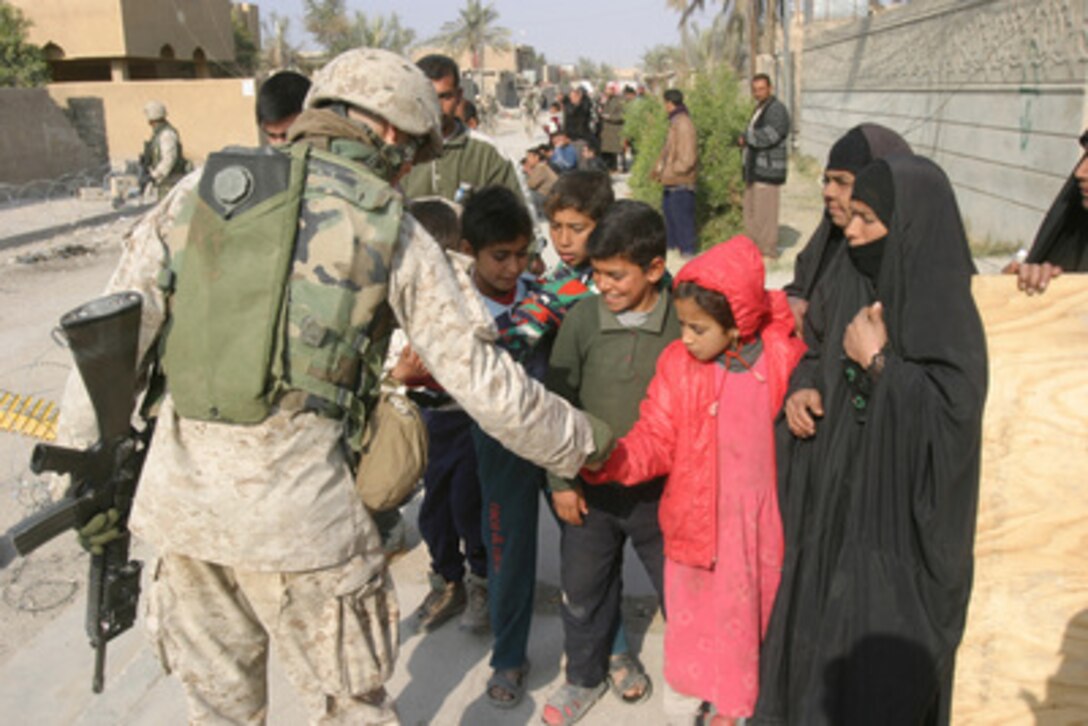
(602, 361)
(577, 201)
(279, 103)
(497, 231)
(449, 516)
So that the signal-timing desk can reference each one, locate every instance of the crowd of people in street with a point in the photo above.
(797, 470)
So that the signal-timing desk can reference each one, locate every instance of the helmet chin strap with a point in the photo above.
(387, 158)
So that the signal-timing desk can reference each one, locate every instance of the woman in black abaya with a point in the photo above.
(1061, 244)
(880, 483)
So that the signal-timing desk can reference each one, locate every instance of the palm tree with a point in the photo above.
(740, 17)
(380, 31)
(659, 60)
(327, 21)
(278, 54)
(474, 31)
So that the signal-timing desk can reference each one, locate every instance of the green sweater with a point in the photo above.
(603, 367)
(467, 158)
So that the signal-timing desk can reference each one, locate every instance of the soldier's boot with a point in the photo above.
(445, 600)
(476, 618)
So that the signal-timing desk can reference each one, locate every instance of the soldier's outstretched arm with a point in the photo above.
(459, 351)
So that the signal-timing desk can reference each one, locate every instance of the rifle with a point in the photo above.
(103, 336)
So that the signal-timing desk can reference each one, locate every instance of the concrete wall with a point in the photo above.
(37, 140)
(131, 28)
(993, 90)
(209, 114)
(71, 127)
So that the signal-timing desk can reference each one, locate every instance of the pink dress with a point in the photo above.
(717, 616)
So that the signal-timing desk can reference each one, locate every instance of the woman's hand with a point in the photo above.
(802, 410)
(1032, 278)
(866, 335)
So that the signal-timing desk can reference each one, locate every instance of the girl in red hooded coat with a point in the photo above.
(707, 422)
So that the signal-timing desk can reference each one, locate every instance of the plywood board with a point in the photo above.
(1024, 658)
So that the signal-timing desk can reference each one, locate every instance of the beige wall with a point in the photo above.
(131, 28)
(208, 114)
(83, 29)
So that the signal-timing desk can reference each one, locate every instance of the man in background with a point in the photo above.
(765, 160)
(469, 161)
(676, 169)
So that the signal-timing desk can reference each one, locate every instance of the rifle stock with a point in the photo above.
(103, 336)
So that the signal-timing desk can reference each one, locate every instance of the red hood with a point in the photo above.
(735, 269)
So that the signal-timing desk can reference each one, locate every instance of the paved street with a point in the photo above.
(45, 664)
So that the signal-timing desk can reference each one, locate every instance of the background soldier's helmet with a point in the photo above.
(155, 111)
(386, 85)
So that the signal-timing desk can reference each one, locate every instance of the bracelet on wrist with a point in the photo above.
(876, 363)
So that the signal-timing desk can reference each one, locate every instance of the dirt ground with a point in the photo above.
(439, 678)
(38, 283)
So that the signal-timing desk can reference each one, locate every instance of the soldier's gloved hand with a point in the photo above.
(100, 530)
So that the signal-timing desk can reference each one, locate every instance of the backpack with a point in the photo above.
(253, 337)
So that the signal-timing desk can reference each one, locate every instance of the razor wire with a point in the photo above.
(62, 187)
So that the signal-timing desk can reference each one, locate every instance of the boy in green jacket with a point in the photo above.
(602, 361)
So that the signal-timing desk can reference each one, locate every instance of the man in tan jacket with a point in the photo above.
(676, 170)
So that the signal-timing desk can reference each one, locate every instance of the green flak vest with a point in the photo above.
(151, 158)
(267, 310)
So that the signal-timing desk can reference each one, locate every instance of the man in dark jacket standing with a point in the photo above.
(764, 145)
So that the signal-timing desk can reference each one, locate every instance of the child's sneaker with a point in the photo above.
(476, 617)
(445, 600)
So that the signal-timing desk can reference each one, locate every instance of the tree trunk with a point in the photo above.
(753, 37)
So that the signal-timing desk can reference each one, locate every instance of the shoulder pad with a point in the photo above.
(353, 182)
(237, 179)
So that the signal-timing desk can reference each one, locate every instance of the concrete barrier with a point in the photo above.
(993, 90)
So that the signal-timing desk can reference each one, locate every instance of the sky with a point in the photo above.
(616, 32)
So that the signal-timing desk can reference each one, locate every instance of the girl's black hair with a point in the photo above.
(713, 302)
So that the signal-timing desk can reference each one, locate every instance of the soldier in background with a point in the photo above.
(260, 534)
(162, 160)
(279, 103)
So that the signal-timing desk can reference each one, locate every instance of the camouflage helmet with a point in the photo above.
(155, 111)
(386, 85)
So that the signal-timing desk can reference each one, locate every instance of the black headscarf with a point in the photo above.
(851, 152)
(874, 187)
(1062, 238)
(856, 149)
(879, 507)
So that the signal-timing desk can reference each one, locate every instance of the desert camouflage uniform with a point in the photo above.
(163, 158)
(260, 531)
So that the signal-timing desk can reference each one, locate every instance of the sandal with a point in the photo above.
(570, 703)
(505, 688)
(625, 674)
(709, 716)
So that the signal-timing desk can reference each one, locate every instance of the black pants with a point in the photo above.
(449, 518)
(592, 568)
